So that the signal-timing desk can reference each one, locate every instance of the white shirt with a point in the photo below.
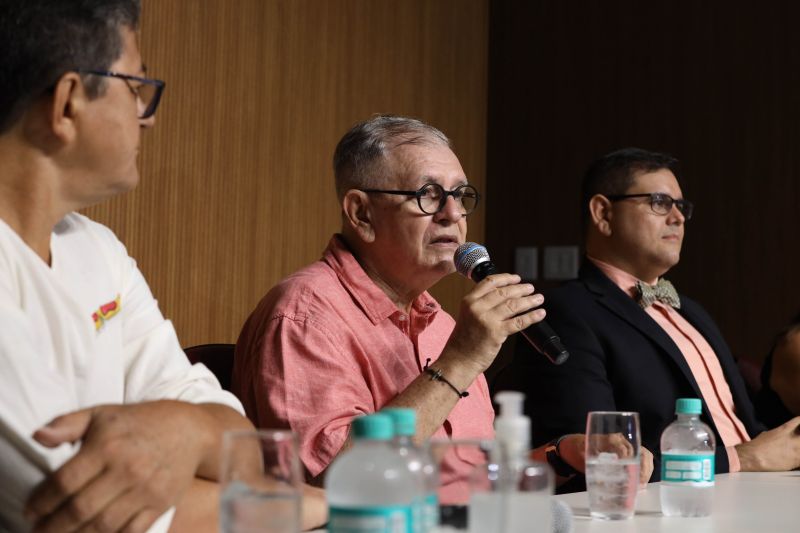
(81, 332)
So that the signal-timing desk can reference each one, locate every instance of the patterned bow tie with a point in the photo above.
(663, 291)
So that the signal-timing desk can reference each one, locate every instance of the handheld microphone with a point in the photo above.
(472, 261)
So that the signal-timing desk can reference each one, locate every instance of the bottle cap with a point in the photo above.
(404, 420)
(688, 406)
(373, 427)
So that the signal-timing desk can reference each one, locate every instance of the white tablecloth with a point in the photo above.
(745, 502)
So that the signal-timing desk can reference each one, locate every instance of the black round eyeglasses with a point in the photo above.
(432, 197)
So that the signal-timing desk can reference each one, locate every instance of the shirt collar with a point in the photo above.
(375, 304)
(625, 281)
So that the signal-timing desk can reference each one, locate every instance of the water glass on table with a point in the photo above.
(511, 497)
(452, 456)
(261, 482)
(613, 445)
(490, 494)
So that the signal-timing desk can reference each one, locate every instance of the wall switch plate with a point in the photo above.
(561, 262)
(526, 262)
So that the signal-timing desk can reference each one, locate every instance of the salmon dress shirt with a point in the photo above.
(327, 344)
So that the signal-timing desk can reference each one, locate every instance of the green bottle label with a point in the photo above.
(683, 468)
(430, 514)
(371, 519)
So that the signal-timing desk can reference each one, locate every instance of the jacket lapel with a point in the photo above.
(611, 297)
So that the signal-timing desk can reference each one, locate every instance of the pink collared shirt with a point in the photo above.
(702, 361)
(327, 344)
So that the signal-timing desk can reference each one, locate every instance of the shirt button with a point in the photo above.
(402, 318)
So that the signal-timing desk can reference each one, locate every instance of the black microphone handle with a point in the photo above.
(544, 339)
(540, 335)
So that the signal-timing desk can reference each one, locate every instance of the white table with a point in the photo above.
(745, 502)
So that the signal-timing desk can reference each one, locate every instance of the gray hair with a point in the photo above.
(360, 157)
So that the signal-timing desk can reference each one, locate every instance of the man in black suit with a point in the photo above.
(635, 344)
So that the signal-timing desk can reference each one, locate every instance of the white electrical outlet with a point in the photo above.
(526, 262)
(561, 262)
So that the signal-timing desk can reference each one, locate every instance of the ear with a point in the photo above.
(357, 214)
(600, 213)
(68, 102)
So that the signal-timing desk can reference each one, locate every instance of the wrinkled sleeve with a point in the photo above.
(306, 379)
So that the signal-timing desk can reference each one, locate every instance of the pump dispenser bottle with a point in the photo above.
(512, 429)
(511, 494)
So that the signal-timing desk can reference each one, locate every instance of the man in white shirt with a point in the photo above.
(103, 423)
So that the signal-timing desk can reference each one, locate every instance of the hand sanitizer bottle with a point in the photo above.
(512, 493)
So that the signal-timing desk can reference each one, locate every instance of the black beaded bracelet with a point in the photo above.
(436, 375)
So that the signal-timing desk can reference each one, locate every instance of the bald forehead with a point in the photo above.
(413, 165)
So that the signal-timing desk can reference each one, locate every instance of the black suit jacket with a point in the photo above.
(620, 360)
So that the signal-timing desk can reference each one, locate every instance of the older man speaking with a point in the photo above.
(357, 330)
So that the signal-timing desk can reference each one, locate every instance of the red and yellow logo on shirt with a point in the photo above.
(106, 312)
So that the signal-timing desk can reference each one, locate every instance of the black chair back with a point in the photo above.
(217, 357)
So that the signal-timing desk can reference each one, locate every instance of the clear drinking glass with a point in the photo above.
(510, 496)
(485, 493)
(261, 482)
(612, 463)
(457, 459)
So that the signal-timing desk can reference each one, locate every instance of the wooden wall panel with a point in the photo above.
(237, 187)
(717, 86)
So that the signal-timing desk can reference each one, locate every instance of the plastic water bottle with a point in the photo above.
(421, 464)
(687, 463)
(369, 487)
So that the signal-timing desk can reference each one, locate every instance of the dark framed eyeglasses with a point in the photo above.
(147, 93)
(432, 197)
(660, 203)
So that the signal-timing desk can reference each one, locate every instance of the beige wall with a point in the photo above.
(236, 187)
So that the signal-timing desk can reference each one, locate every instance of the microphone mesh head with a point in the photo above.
(468, 255)
(562, 517)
